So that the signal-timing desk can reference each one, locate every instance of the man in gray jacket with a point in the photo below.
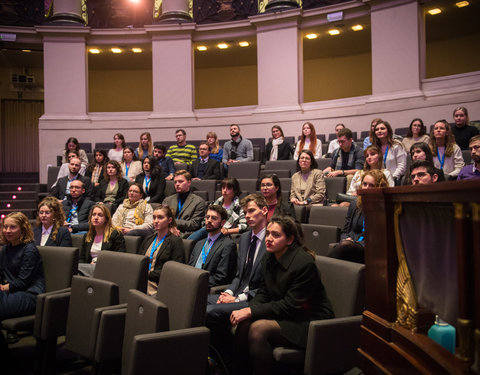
(238, 149)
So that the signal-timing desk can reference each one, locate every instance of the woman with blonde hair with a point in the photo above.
(447, 155)
(216, 152)
(50, 230)
(145, 146)
(21, 268)
(462, 130)
(309, 141)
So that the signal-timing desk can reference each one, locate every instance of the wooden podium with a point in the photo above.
(422, 250)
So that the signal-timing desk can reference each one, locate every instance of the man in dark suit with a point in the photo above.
(217, 254)
(248, 277)
(62, 188)
(205, 168)
(189, 209)
(77, 208)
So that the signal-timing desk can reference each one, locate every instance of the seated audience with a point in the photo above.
(417, 132)
(238, 149)
(422, 172)
(145, 146)
(131, 167)
(161, 246)
(101, 236)
(217, 254)
(447, 155)
(77, 207)
(352, 239)
(21, 267)
(236, 222)
(347, 159)
(205, 168)
(95, 169)
(71, 145)
(151, 180)
(272, 192)
(276, 316)
(63, 171)
(394, 156)
(62, 188)
(247, 279)
(472, 170)
(182, 153)
(278, 148)
(113, 188)
(188, 208)
(369, 140)
(116, 153)
(333, 145)
(50, 230)
(134, 214)
(165, 162)
(308, 141)
(216, 152)
(421, 151)
(308, 184)
(462, 130)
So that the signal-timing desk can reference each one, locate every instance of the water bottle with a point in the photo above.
(443, 333)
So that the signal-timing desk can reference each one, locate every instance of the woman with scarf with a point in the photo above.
(277, 148)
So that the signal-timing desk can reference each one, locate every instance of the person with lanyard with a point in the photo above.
(152, 181)
(166, 162)
(247, 279)
(131, 167)
(447, 155)
(161, 246)
(352, 238)
(205, 168)
(62, 188)
(218, 253)
(394, 155)
(347, 159)
(188, 208)
(77, 208)
(238, 149)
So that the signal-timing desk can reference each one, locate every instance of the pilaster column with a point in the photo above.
(396, 47)
(68, 11)
(172, 70)
(280, 61)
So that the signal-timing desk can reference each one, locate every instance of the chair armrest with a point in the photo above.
(218, 289)
(111, 328)
(332, 345)
(51, 314)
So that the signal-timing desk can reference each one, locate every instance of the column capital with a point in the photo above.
(277, 20)
(170, 31)
(63, 33)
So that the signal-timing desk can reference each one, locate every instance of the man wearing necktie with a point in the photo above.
(217, 254)
(205, 168)
(248, 277)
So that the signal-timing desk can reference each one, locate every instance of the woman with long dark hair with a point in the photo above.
(271, 189)
(72, 144)
(116, 153)
(131, 167)
(151, 180)
(278, 148)
(95, 169)
(113, 188)
(417, 132)
(308, 184)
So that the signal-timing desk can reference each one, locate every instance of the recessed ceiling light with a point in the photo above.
(311, 36)
(462, 4)
(434, 11)
(222, 45)
(136, 50)
(116, 50)
(334, 31)
(26, 50)
(243, 44)
(357, 27)
(94, 51)
(201, 48)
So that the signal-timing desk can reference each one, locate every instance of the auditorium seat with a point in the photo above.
(328, 215)
(318, 237)
(334, 186)
(245, 169)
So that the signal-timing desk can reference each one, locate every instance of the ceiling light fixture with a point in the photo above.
(462, 4)
(334, 31)
(116, 50)
(95, 51)
(136, 50)
(243, 44)
(311, 36)
(202, 48)
(222, 45)
(357, 27)
(434, 11)
(26, 50)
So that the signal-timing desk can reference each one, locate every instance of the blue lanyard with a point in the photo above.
(126, 169)
(442, 159)
(155, 246)
(180, 206)
(205, 255)
(363, 231)
(385, 157)
(147, 182)
(71, 212)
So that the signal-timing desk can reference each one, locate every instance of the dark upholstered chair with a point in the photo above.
(332, 343)
(324, 163)
(208, 186)
(188, 248)
(59, 265)
(327, 215)
(174, 352)
(248, 185)
(281, 173)
(277, 165)
(335, 185)
(318, 237)
(132, 244)
(244, 169)
(77, 240)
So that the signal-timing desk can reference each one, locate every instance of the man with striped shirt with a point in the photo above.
(182, 152)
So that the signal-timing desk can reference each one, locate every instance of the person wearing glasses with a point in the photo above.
(77, 208)
(272, 192)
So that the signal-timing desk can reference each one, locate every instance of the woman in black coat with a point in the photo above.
(277, 148)
(50, 230)
(113, 188)
(151, 180)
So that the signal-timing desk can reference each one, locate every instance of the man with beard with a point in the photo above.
(217, 254)
(238, 149)
(472, 170)
(62, 188)
(77, 208)
(422, 172)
